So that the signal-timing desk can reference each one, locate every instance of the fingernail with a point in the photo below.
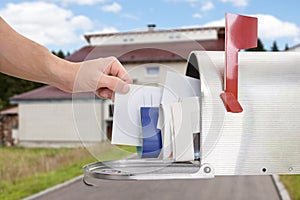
(104, 95)
(125, 88)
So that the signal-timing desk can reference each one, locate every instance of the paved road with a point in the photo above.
(220, 188)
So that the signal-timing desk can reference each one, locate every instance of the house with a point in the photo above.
(8, 126)
(50, 117)
(295, 48)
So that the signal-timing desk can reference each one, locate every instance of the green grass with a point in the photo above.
(130, 149)
(292, 184)
(24, 172)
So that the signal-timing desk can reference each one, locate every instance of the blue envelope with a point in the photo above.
(152, 142)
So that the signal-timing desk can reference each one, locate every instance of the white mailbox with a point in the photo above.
(261, 137)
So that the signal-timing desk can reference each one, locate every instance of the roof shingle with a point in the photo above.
(153, 52)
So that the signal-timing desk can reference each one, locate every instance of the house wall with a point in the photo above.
(60, 123)
(139, 73)
(154, 36)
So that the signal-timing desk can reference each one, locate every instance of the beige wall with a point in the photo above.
(139, 71)
(155, 36)
(60, 122)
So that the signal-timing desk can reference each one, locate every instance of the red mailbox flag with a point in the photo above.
(241, 33)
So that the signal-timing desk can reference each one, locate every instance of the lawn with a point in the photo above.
(24, 172)
(292, 184)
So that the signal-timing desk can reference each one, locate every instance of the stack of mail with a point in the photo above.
(178, 120)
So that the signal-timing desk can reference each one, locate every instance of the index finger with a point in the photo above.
(117, 69)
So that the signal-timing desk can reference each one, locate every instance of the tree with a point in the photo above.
(274, 46)
(59, 54)
(260, 46)
(10, 86)
(286, 47)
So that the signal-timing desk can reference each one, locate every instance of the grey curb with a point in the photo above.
(284, 195)
(56, 187)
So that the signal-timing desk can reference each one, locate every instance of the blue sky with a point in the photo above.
(60, 24)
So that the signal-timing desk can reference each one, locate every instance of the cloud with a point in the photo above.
(197, 15)
(130, 16)
(114, 7)
(207, 6)
(269, 27)
(220, 22)
(237, 3)
(46, 23)
(190, 2)
(78, 2)
(108, 29)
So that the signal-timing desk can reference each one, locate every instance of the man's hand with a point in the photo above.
(104, 76)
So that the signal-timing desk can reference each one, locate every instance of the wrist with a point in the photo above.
(63, 74)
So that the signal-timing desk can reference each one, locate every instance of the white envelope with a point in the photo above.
(176, 87)
(127, 128)
(186, 121)
(166, 131)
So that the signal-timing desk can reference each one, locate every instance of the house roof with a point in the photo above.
(294, 47)
(49, 93)
(181, 30)
(9, 111)
(152, 52)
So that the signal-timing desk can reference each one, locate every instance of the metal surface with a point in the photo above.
(145, 169)
(241, 33)
(265, 137)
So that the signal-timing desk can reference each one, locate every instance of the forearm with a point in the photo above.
(26, 59)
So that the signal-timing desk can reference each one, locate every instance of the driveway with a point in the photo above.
(219, 188)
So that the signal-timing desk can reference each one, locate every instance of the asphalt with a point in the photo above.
(219, 188)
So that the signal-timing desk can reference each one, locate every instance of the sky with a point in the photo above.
(61, 24)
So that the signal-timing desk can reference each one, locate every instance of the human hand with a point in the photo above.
(104, 76)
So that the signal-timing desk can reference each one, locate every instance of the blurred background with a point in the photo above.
(39, 146)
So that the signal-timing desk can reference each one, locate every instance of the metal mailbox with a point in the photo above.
(261, 139)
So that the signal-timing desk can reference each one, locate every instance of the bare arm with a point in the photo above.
(23, 58)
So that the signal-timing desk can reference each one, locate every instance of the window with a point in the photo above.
(152, 71)
(135, 81)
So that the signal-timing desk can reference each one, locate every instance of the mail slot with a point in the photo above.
(252, 129)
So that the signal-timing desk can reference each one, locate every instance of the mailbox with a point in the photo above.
(261, 137)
